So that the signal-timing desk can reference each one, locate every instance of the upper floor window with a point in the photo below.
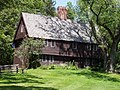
(46, 42)
(88, 47)
(95, 47)
(52, 43)
(22, 28)
(74, 45)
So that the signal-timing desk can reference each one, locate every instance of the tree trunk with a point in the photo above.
(105, 57)
(112, 56)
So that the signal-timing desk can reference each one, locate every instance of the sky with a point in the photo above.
(64, 2)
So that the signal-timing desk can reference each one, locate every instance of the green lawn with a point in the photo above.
(59, 79)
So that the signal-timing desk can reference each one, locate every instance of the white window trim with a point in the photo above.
(45, 58)
(52, 43)
(52, 58)
(46, 43)
(22, 28)
(42, 59)
(88, 47)
(49, 58)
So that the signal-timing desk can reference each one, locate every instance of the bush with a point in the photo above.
(35, 64)
(52, 66)
(69, 66)
(44, 67)
(117, 68)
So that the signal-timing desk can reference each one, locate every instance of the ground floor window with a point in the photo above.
(87, 62)
(47, 58)
(51, 58)
(43, 58)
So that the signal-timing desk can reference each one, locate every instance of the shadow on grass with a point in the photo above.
(97, 75)
(19, 78)
(91, 75)
(25, 88)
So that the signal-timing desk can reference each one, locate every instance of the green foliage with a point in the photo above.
(29, 52)
(104, 19)
(71, 11)
(34, 64)
(10, 11)
(44, 67)
(52, 66)
(5, 49)
(68, 66)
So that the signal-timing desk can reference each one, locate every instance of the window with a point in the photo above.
(22, 28)
(87, 62)
(74, 45)
(46, 42)
(88, 47)
(95, 47)
(51, 58)
(52, 43)
(43, 58)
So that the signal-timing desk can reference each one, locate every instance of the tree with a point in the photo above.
(71, 11)
(10, 11)
(5, 49)
(105, 14)
(29, 48)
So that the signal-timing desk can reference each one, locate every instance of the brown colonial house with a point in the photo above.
(65, 40)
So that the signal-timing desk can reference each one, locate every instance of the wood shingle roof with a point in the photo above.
(40, 26)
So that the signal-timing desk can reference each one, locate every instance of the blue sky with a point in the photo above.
(64, 2)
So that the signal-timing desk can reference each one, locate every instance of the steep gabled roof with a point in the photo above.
(40, 26)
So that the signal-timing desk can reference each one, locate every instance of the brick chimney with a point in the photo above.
(62, 13)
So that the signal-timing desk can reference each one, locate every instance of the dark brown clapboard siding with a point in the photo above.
(21, 34)
(64, 48)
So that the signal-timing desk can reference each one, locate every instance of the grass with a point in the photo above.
(59, 79)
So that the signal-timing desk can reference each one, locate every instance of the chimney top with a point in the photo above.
(62, 12)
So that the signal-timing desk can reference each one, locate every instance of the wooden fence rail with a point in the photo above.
(9, 68)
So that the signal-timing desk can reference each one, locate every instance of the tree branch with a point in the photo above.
(91, 5)
(108, 22)
(94, 31)
(108, 29)
(97, 19)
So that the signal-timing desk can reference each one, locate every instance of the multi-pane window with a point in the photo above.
(51, 58)
(88, 47)
(95, 47)
(52, 43)
(46, 42)
(45, 58)
(87, 62)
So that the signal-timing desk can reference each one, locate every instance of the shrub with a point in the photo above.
(44, 67)
(52, 66)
